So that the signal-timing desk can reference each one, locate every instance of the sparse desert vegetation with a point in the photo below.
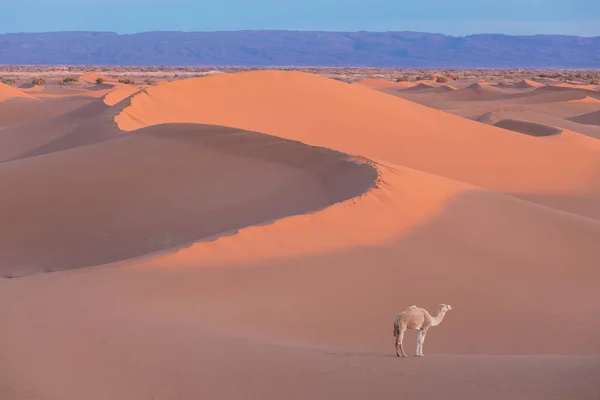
(70, 79)
(38, 81)
(8, 81)
(131, 75)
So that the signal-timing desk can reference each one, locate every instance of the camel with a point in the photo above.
(418, 319)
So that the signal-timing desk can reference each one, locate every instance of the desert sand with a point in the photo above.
(254, 234)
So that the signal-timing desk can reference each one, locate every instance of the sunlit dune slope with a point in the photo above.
(361, 121)
(9, 93)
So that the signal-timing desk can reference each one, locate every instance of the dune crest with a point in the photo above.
(526, 84)
(8, 93)
(586, 99)
(375, 125)
(384, 84)
(92, 77)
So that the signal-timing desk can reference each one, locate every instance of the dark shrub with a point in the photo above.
(9, 81)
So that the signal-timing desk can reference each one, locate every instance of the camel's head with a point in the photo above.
(445, 307)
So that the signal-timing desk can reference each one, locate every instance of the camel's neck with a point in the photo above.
(437, 319)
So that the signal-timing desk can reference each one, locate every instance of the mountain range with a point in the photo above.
(301, 48)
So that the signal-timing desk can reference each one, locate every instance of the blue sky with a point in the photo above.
(454, 17)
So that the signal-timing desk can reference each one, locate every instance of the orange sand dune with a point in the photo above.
(555, 93)
(283, 104)
(56, 92)
(577, 139)
(262, 185)
(383, 84)
(312, 293)
(477, 91)
(489, 118)
(526, 83)
(351, 205)
(540, 125)
(92, 77)
(586, 99)
(420, 85)
(9, 93)
(119, 93)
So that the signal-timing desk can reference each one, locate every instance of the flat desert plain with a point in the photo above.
(253, 235)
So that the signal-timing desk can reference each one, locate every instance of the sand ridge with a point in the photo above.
(282, 104)
(9, 93)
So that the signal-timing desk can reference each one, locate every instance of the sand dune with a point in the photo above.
(80, 123)
(554, 93)
(92, 77)
(489, 118)
(477, 91)
(318, 210)
(384, 84)
(10, 93)
(282, 104)
(262, 184)
(526, 84)
(586, 99)
(527, 127)
(592, 118)
(421, 86)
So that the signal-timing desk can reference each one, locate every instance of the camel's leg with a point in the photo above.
(420, 341)
(399, 339)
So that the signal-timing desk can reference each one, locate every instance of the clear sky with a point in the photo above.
(454, 17)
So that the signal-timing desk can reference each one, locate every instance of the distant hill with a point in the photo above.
(298, 48)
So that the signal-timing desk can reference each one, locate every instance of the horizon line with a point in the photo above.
(299, 31)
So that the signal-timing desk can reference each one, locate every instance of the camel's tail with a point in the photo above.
(396, 328)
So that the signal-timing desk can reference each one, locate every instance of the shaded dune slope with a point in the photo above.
(553, 93)
(592, 118)
(90, 123)
(527, 127)
(160, 188)
(476, 91)
(536, 129)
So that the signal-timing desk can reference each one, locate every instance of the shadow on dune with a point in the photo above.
(527, 127)
(158, 188)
